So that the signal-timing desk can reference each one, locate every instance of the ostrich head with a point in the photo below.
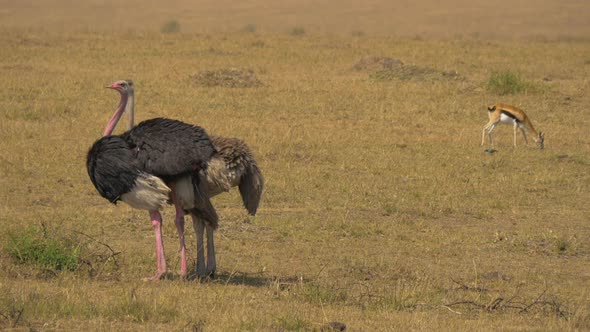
(125, 88)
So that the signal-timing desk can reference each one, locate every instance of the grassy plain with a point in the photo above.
(381, 210)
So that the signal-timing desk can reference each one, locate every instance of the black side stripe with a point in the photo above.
(510, 115)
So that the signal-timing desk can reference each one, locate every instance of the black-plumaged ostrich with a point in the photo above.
(161, 161)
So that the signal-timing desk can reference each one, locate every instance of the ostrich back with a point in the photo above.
(169, 148)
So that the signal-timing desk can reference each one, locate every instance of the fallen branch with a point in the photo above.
(112, 255)
(20, 313)
(500, 304)
(535, 301)
(466, 302)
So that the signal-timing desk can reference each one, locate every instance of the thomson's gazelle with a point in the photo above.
(502, 113)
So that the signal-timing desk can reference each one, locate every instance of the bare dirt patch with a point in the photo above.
(376, 63)
(229, 78)
(386, 69)
(413, 72)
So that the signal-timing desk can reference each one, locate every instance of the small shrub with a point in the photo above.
(561, 246)
(258, 43)
(507, 82)
(170, 27)
(390, 209)
(251, 28)
(358, 33)
(38, 247)
(297, 31)
(565, 246)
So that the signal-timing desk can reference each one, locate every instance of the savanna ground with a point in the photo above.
(381, 210)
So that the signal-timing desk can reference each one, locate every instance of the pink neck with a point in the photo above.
(116, 116)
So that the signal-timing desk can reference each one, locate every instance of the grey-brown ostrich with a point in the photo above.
(163, 161)
(231, 165)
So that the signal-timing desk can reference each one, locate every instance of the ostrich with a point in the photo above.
(231, 164)
(145, 166)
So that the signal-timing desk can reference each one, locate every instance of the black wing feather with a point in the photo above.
(169, 148)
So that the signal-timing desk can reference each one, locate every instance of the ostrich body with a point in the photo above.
(145, 166)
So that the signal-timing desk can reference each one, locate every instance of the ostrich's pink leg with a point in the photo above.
(161, 258)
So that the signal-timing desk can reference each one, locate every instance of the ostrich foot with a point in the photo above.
(201, 276)
(200, 270)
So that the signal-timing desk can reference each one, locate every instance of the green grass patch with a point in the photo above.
(508, 82)
(171, 26)
(297, 31)
(37, 246)
(290, 323)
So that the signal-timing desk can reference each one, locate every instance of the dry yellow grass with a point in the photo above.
(381, 210)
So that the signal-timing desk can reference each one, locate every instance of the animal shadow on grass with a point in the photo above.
(256, 279)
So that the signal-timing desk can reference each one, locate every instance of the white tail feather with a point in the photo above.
(148, 193)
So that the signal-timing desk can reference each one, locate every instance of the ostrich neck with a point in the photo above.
(116, 116)
(129, 108)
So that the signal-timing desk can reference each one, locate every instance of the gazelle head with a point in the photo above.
(541, 140)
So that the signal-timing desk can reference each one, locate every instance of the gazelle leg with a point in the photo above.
(483, 132)
(524, 135)
(515, 127)
(490, 137)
